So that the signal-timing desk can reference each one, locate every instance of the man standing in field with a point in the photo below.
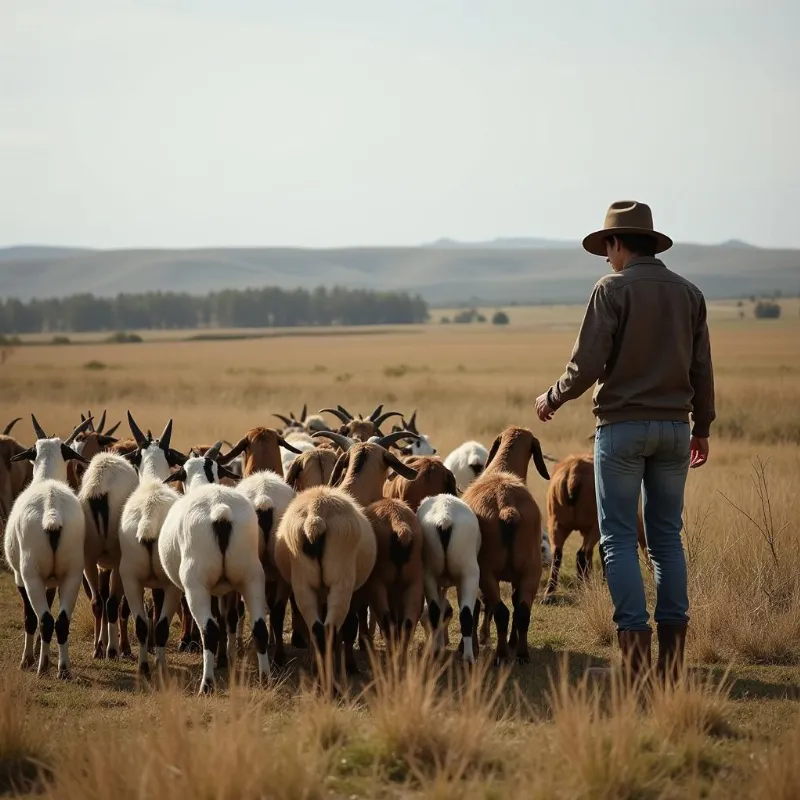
(644, 340)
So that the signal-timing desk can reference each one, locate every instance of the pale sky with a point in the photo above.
(170, 123)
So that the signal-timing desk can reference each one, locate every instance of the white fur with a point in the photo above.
(423, 447)
(192, 558)
(47, 504)
(302, 442)
(457, 566)
(112, 477)
(140, 566)
(462, 460)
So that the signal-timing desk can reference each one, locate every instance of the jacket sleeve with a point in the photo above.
(701, 376)
(591, 350)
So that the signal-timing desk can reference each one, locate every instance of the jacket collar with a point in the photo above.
(644, 261)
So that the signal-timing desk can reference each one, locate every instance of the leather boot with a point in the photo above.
(671, 645)
(636, 656)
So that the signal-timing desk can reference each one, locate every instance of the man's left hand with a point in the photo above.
(543, 409)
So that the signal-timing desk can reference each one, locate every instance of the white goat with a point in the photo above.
(303, 443)
(142, 517)
(466, 462)
(420, 446)
(209, 546)
(451, 541)
(44, 540)
(107, 484)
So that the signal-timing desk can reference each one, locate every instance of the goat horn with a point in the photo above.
(337, 413)
(374, 415)
(285, 420)
(37, 429)
(393, 438)
(412, 423)
(163, 442)
(345, 411)
(383, 417)
(112, 429)
(141, 439)
(342, 441)
(102, 423)
(10, 425)
(87, 423)
(304, 412)
(213, 451)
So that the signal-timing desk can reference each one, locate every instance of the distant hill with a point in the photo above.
(445, 272)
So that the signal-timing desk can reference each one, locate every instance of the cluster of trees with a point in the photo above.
(469, 315)
(269, 307)
(766, 309)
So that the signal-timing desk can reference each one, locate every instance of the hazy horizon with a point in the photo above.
(190, 123)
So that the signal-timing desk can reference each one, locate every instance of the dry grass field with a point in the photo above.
(531, 731)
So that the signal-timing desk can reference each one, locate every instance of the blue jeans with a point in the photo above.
(629, 457)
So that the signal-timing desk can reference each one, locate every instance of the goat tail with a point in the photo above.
(509, 519)
(220, 513)
(403, 532)
(314, 527)
(573, 484)
(51, 521)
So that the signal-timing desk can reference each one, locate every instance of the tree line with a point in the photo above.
(268, 307)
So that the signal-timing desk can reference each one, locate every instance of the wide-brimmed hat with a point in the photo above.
(626, 216)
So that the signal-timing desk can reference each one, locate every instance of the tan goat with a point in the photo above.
(394, 591)
(511, 531)
(360, 429)
(14, 475)
(572, 506)
(433, 478)
(261, 448)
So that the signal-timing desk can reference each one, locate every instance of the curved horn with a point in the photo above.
(10, 425)
(337, 413)
(412, 423)
(37, 429)
(85, 425)
(342, 441)
(112, 429)
(345, 411)
(163, 442)
(286, 446)
(213, 451)
(374, 415)
(141, 439)
(102, 423)
(304, 412)
(285, 420)
(396, 436)
(240, 447)
(383, 417)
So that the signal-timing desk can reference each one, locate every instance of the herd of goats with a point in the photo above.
(354, 527)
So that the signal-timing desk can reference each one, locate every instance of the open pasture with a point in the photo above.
(494, 735)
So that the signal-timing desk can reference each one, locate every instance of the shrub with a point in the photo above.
(95, 365)
(500, 318)
(60, 340)
(466, 316)
(765, 309)
(122, 337)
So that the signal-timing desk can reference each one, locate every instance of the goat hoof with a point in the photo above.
(125, 652)
(298, 640)
(207, 687)
(352, 668)
(523, 658)
(195, 647)
(64, 674)
(183, 646)
(279, 659)
(44, 667)
(111, 655)
(99, 650)
(144, 669)
(549, 600)
(27, 662)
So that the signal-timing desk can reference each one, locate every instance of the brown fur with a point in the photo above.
(312, 468)
(123, 447)
(13, 477)
(94, 443)
(511, 529)
(433, 478)
(513, 450)
(261, 448)
(572, 506)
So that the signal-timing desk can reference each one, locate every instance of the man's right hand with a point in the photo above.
(698, 452)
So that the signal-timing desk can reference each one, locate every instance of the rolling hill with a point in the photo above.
(444, 272)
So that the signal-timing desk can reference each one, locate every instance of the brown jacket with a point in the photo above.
(644, 339)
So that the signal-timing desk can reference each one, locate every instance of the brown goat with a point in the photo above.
(14, 476)
(572, 506)
(261, 447)
(433, 478)
(360, 429)
(394, 589)
(312, 468)
(511, 530)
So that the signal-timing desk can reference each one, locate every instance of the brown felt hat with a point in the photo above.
(626, 216)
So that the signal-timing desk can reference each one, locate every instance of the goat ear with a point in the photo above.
(403, 470)
(25, 455)
(240, 447)
(68, 454)
(492, 451)
(224, 472)
(293, 475)
(104, 440)
(340, 469)
(178, 475)
(538, 459)
(174, 458)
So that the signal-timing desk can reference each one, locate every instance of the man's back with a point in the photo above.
(654, 363)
